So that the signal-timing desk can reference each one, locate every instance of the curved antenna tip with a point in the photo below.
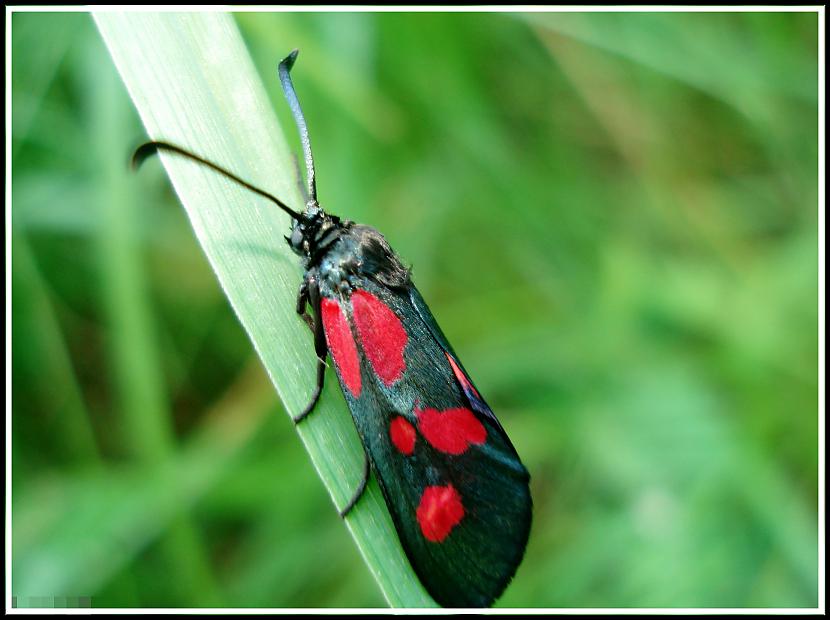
(141, 154)
(289, 60)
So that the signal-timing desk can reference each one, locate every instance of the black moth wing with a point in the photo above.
(475, 400)
(477, 559)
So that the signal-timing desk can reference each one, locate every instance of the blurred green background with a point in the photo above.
(614, 219)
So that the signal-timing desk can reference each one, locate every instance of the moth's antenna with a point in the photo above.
(151, 148)
(284, 71)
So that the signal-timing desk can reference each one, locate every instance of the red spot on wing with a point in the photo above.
(381, 334)
(439, 511)
(462, 378)
(341, 344)
(402, 434)
(451, 430)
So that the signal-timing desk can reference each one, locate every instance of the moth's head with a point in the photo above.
(312, 230)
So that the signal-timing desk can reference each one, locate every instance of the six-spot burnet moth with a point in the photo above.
(454, 485)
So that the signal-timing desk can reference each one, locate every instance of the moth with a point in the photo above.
(454, 485)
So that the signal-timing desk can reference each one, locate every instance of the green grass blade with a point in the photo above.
(193, 83)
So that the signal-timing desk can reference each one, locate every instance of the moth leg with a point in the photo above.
(310, 293)
(360, 488)
(315, 396)
(320, 348)
(302, 301)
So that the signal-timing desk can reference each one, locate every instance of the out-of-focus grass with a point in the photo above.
(613, 217)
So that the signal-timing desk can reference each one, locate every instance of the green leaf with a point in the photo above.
(193, 84)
